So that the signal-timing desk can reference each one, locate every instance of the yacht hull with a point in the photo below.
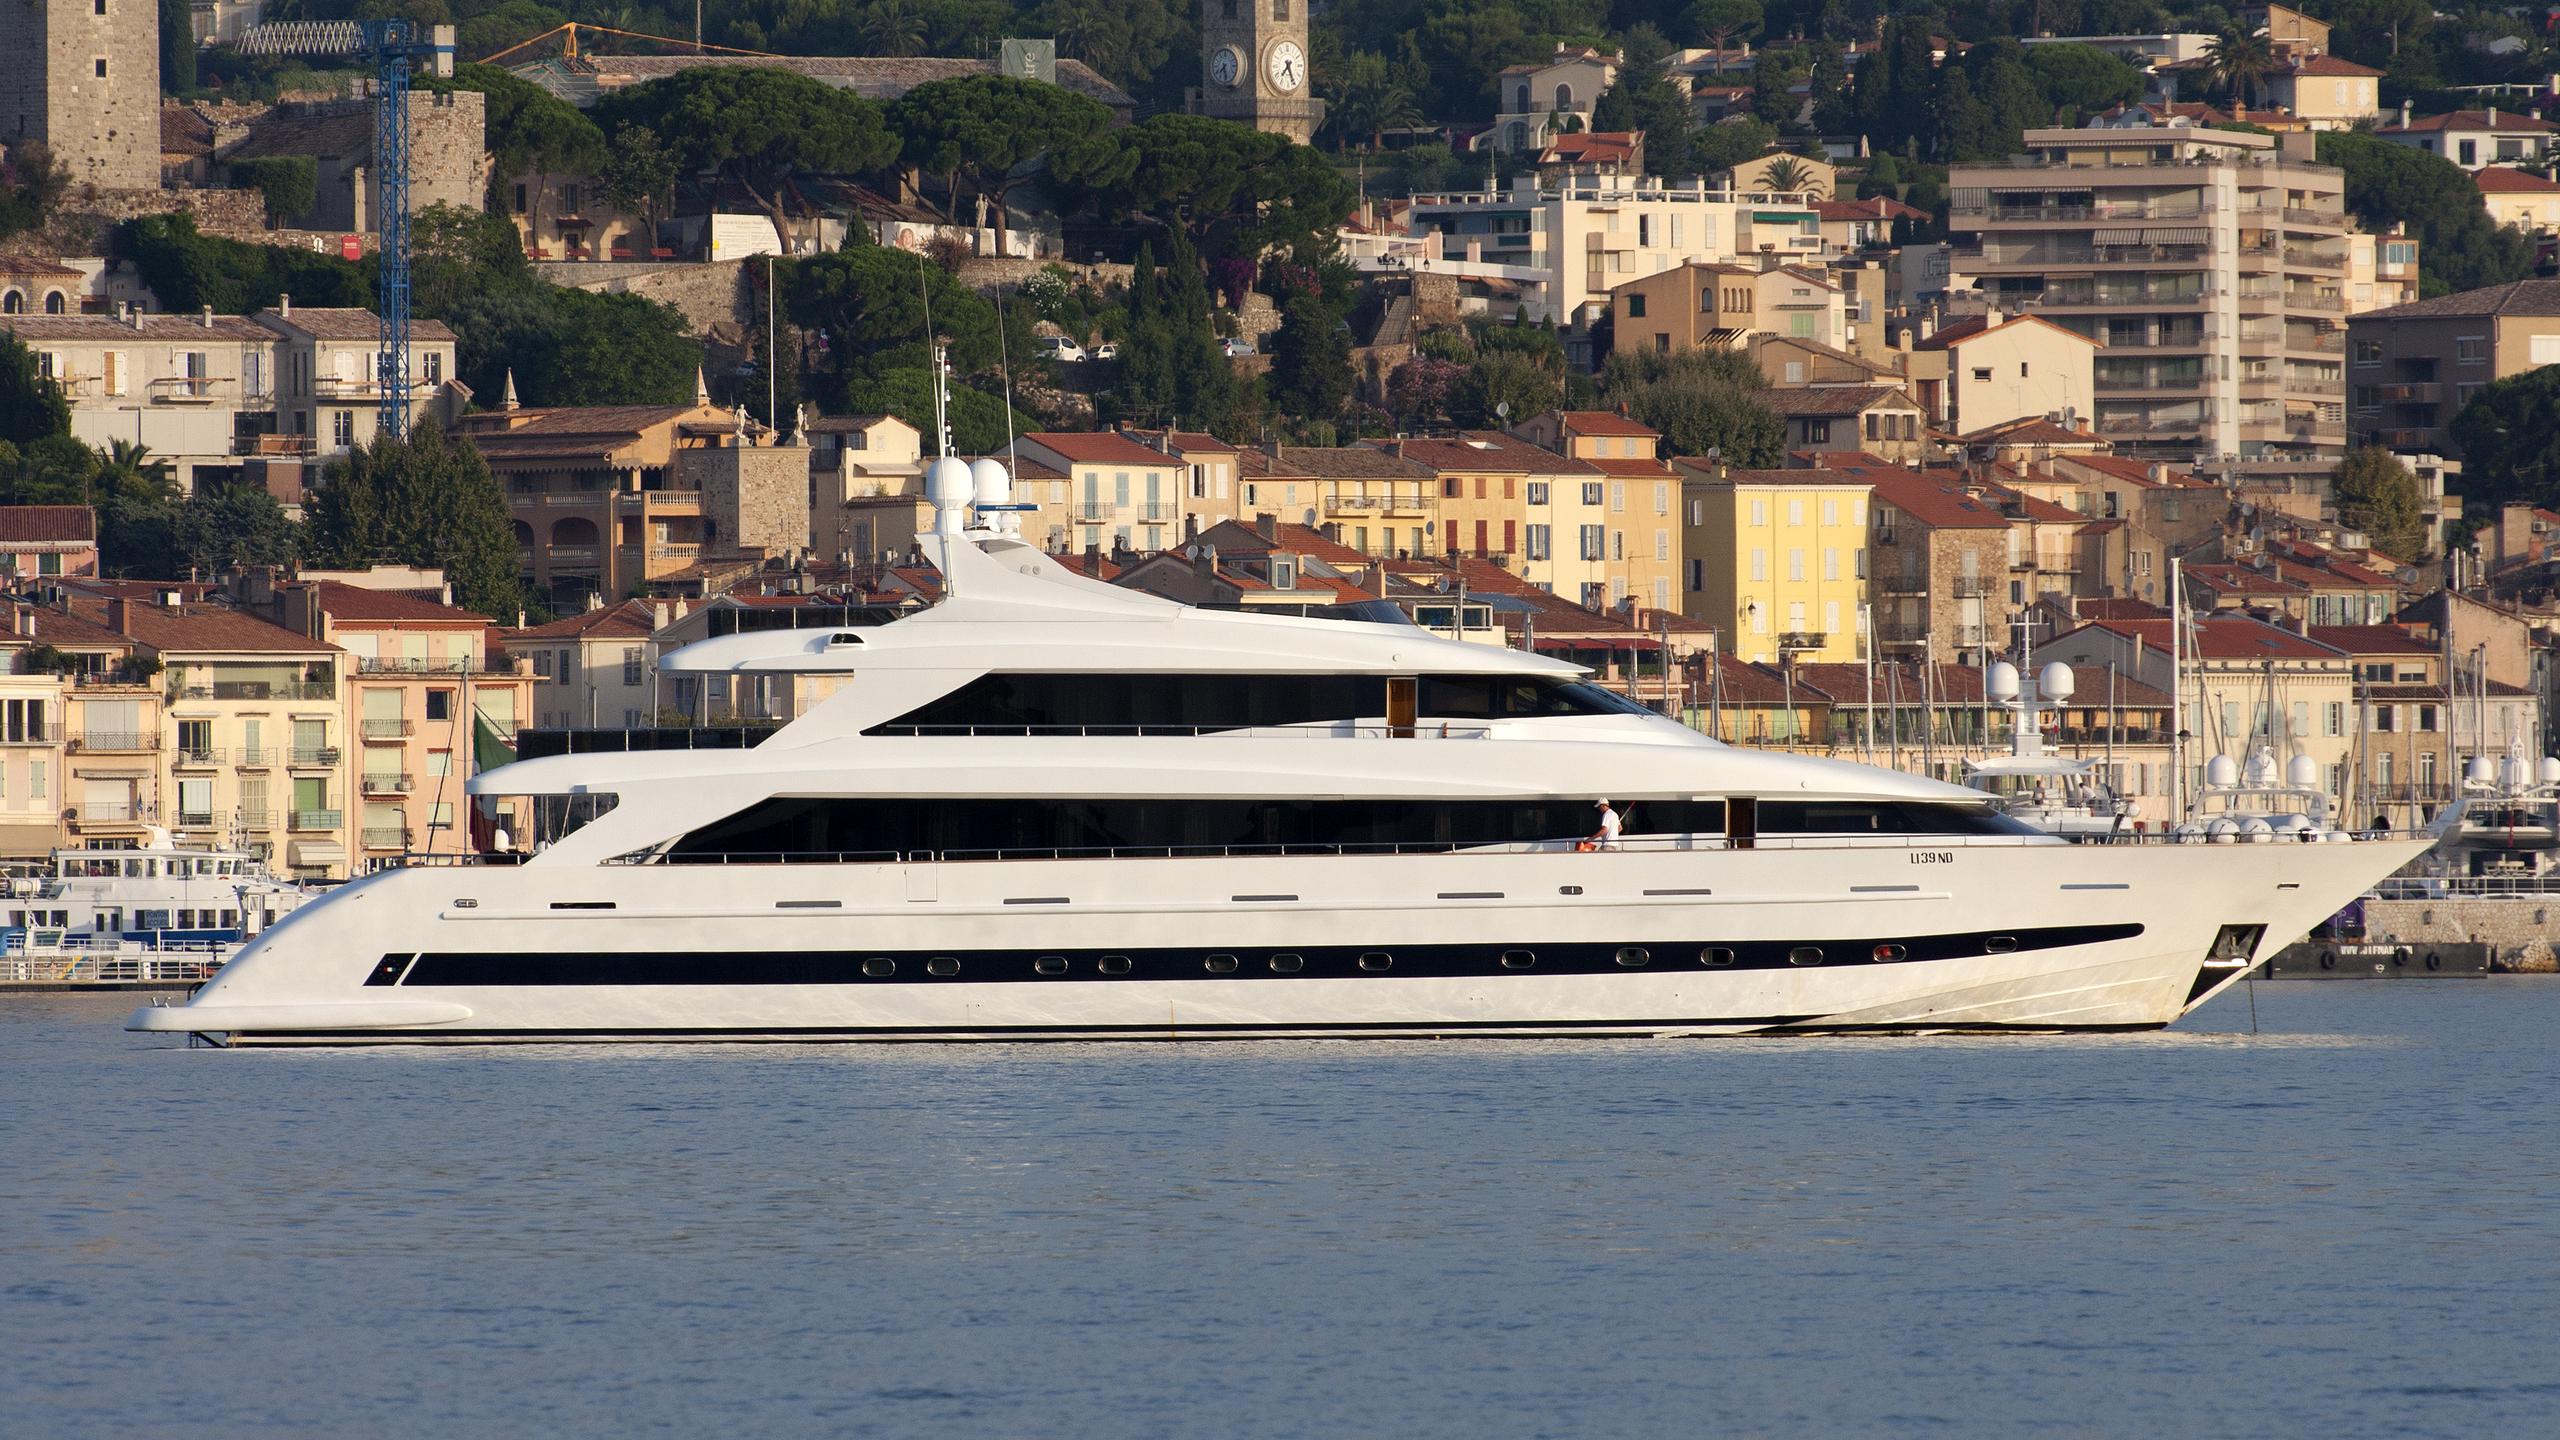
(1669, 942)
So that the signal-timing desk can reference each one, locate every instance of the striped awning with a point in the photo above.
(2116, 237)
(317, 852)
(2188, 236)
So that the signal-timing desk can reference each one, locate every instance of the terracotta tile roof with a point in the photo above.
(165, 329)
(2326, 65)
(199, 627)
(2371, 640)
(1237, 537)
(2232, 637)
(47, 525)
(2031, 430)
(65, 628)
(1630, 469)
(1818, 401)
(342, 601)
(2117, 607)
(1604, 422)
(2504, 122)
(2499, 688)
(1092, 567)
(1592, 147)
(1703, 471)
(1096, 447)
(1253, 464)
(1973, 327)
(1938, 504)
(1486, 452)
(29, 265)
(2242, 580)
(2515, 297)
(2138, 472)
(2499, 180)
(322, 323)
(184, 132)
(1347, 462)
(1185, 440)
(582, 432)
(630, 620)
(1879, 208)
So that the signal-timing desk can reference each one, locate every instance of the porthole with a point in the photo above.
(2000, 944)
(1376, 961)
(1805, 955)
(879, 967)
(1715, 955)
(1519, 959)
(943, 965)
(1887, 953)
(1222, 964)
(1287, 964)
(1050, 964)
(1115, 965)
(1633, 956)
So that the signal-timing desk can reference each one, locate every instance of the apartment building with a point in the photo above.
(1208, 473)
(1552, 255)
(1370, 500)
(2412, 368)
(426, 698)
(607, 498)
(1879, 420)
(2210, 265)
(592, 670)
(246, 738)
(1776, 560)
(1937, 566)
(2382, 271)
(1542, 99)
(855, 462)
(1986, 370)
(2247, 685)
(2420, 731)
(2324, 92)
(1115, 494)
(2519, 198)
(2166, 512)
(328, 376)
(2472, 139)
(1721, 306)
(32, 709)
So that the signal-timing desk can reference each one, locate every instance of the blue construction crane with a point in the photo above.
(396, 50)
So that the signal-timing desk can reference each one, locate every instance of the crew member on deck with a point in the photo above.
(1606, 837)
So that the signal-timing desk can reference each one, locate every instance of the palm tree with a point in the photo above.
(2239, 62)
(1092, 31)
(891, 28)
(1788, 175)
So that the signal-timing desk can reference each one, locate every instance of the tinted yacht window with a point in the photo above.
(1233, 702)
(1889, 817)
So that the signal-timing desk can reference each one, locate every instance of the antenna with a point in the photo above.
(1004, 366)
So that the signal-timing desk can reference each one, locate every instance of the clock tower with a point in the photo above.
(1253, 66)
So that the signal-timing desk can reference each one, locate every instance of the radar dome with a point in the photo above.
(2221, 772)
(2001, 682)
(2055, 680)
(994, 486)
(2479, 770)
(947, 483)
(2261, 769)
(2551, 769)
(2302, 773)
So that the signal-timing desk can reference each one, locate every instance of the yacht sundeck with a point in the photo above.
(1051, 809)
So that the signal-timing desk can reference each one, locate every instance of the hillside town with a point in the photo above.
(380, 398)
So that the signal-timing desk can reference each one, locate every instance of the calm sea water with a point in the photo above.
(2343, 1225)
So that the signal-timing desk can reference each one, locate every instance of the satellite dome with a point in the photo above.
(948, 484)
(2261, 769)
(2302, 773)
(2055, 680)
(2001, 681)
(2478, 770)
(993, 485)
(2221, 772)
(2551, 769)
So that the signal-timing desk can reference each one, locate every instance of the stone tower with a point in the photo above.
(1253, 66)
(83, 76)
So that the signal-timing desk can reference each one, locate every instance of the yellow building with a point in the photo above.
(1776, 560)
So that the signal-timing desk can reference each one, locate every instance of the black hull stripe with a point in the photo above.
(1760, 1026)
(502, 969)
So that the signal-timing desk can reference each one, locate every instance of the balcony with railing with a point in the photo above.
(379, 783)
(1159, 512)
(318, 819)
(410, 665)
(1894, 629)
(197, 757)
(257, 690)
(110, 812)
(386, 729)
(313, 757)
(257, 757)
(333, 387)
(1093, 512)
(190, 390)
(1901, 584)
(1969, 586)
(195, 819)
(385, 838)
(114, 742)
(275, 445)
(572, 557)
(2422, 393)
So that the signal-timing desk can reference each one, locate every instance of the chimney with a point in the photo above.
(208, 317)
(284, 307)
(2404, 113)
(2493, 117)
(119, 616)
(658, 617)
(1267, 525)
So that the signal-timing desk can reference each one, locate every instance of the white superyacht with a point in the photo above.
(1053, 809)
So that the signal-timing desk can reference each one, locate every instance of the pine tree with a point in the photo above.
(1203, 382)
(425, 500)
(1146, 359)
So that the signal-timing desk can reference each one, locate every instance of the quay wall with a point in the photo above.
(2521, 930)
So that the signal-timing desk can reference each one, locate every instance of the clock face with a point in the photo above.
(1287, 66)
(1226, 66)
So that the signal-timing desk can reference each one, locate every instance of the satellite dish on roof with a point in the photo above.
(1502, 410)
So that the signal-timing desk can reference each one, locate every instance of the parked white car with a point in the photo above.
(1107, 350)
(1059, 347)
(1234, 348)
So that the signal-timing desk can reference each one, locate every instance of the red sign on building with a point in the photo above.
(350, 247)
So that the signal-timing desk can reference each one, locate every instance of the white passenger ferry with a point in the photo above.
(157, 894)
(1051, 809)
